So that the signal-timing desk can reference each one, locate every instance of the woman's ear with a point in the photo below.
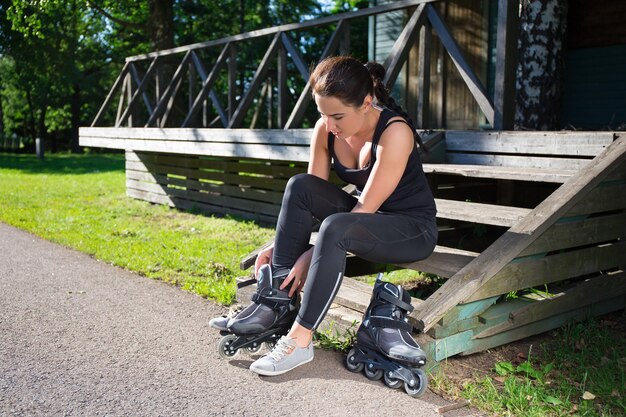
(367, 103)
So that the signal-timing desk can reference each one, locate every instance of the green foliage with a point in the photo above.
(80, 202)
(336, 339)
(581, 371)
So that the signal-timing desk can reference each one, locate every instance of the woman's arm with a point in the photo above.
(319, 156)
(392, 155)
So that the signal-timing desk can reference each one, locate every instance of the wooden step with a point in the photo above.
(444, 261)
(480, 213)
(502, 172)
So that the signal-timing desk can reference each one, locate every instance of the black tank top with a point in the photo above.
(412, 196)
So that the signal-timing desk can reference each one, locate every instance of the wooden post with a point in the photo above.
(282, 86)
(423, 78)
(506, 64)
(232, 80)
(39, 148)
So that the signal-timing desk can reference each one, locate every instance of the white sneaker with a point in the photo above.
(285, 356)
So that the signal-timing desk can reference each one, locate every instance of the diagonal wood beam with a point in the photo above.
(136, 78)
(207, 86)
(163, 102)
(140, 89)
(295, 55)
(259, 75)
(471, 80)
(305, 96)
(402, 46)
(109, 97)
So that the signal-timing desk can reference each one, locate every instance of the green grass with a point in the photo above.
(580, 371)
(80, 202)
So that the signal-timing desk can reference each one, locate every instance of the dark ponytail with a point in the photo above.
(377, 72)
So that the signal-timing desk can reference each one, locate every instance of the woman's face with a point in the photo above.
(342, 120)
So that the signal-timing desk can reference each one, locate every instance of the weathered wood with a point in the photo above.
(580, 232)
(471, 80)
(107, 101)
(579, 144)
(139, 91)
(253, 88)
(479, 213)
(305, 95)
(601, 199)
(501, 172)
(207, 85)
(295, 54)
(479, 272)
(444, 261)
(135, 75)
(294, 137)
(588, 292)
(370, 11)
(169, 92)
(537, 327)
(423, 75)
(506, 65)
(260, 151)
(401, 47)
(459, 158)
(531, 272)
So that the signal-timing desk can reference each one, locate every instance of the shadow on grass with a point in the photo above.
(63, 163)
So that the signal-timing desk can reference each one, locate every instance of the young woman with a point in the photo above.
(370, 143)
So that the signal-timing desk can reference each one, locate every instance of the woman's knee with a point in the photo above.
(300, 182)
(334, 228)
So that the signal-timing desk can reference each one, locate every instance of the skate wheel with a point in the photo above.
(392, 382)
(224, 349)
(373, 374)
(269, 345)
(419, 387)
(254, 349)
(351, 363)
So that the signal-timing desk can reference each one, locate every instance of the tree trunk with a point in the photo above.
(161, 24)
(540, 70)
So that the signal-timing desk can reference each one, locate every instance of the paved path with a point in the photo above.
(79, 337)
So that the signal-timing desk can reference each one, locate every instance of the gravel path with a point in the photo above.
(80, 337)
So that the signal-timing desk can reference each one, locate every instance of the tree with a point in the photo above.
(540, 69)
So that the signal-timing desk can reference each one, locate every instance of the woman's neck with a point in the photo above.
(369, 126)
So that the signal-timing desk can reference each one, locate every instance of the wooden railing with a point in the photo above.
(144, 102)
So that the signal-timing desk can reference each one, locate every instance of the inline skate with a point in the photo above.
(264, 321)
(384, 346)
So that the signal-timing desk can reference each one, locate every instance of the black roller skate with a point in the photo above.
(265, 320)
(384, 346)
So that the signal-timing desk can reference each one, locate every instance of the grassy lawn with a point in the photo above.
(80, 202)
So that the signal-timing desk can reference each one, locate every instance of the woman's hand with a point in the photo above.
(264, 257)
(297, 274)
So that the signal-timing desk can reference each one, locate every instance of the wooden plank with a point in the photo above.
(452, 345)
(517, 161)
(478, 273)
(506, 65)
(259, 151)
(480, 213)
(471, 80)
(444, 261)
(116, 85)
(423, 76)
(291, 137)
(401, 47)
(169, 91)
(530, 272)
(253, 87)
(249, 193)
(370, 11)
(601, 199)
(588, 292)
(501, 172)
(579, 144)
(468, 310)
(580, 232)
(228, 204)
(537, 327)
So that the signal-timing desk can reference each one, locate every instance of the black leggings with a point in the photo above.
(377, 237)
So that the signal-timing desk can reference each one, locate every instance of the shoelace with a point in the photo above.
(281, 349)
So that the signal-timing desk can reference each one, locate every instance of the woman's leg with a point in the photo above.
(385, 238)
(306, 198)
